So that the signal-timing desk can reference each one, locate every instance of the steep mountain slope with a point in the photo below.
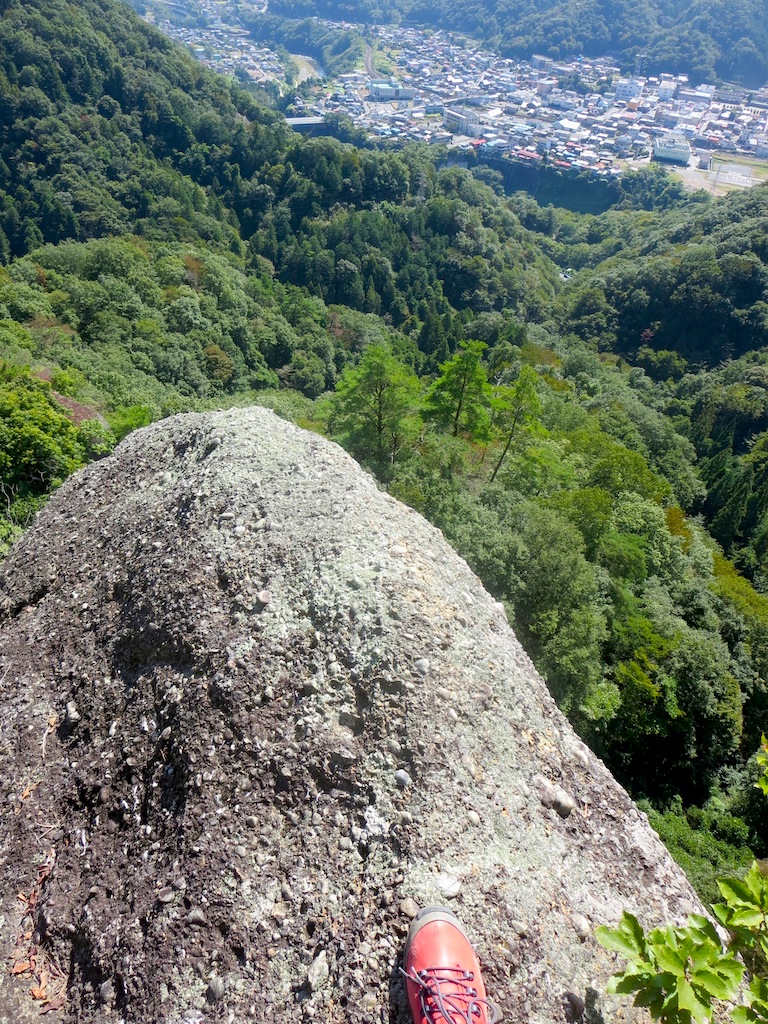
(253, 712)
(696, 282)
(110, 129)
(97, 111)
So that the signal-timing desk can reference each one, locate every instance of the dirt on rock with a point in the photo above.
(253, 713)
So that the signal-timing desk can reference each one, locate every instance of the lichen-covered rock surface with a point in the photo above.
(254, 713)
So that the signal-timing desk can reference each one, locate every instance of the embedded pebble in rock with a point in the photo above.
(107, 993)
(563, 802)
(581, 755)
(573, 1007)
(216, 989)
(582, 925)
(193, 1016)
(548, 793)
(318, 972)
(448, 885)
(305, 719)
(409, 907)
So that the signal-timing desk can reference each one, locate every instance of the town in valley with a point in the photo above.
(582, 115)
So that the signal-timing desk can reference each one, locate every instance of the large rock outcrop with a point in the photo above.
(253, 712)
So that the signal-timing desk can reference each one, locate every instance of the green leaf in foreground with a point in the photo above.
(675, 972)
(628, 938)
(745, 910)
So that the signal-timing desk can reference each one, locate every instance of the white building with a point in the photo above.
(460, 121)
(667, 87)
(627, 89)
(672, 149)
(389, 90)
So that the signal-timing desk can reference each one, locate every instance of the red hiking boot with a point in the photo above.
(442, 975)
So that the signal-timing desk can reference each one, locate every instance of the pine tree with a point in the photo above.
(460, 397)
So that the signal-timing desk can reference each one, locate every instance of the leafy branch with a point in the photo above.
(674, 972)
(677, 973)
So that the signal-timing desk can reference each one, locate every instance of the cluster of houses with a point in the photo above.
(219, 41)
(582, 115)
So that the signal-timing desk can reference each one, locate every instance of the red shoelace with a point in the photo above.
(448, 997)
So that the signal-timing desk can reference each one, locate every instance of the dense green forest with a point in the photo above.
(706, 40)
(593, 442)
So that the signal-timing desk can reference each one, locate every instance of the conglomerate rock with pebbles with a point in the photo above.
(254, 713)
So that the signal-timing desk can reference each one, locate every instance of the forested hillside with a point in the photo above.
(590, 441)
(706, 40)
